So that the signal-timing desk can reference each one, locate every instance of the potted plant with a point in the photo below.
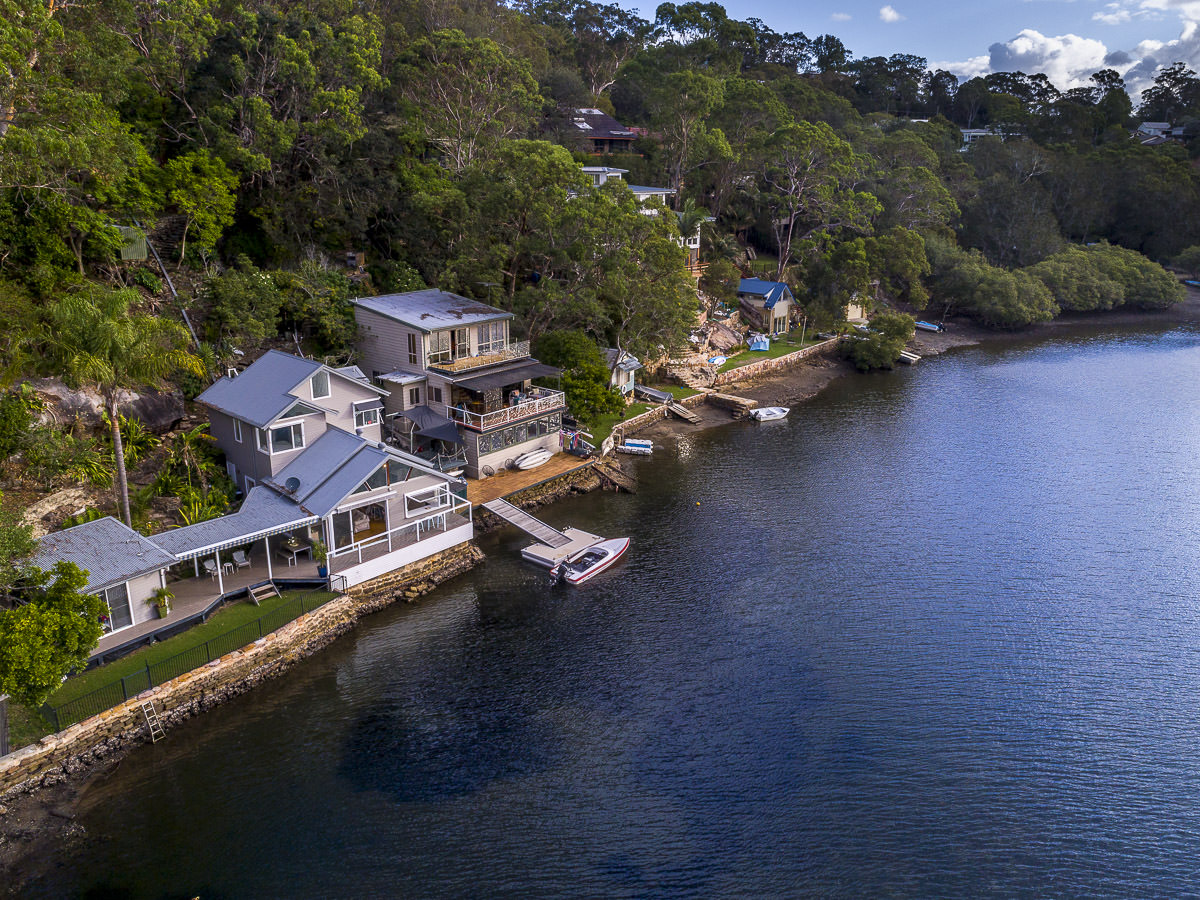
(320, 555)
(161, 600)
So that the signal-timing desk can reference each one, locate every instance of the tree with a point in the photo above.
(202, 188)
(47, 635)
(586, 378)
(680, 105)
(1188, 260)
(97, 339)
(881, 346)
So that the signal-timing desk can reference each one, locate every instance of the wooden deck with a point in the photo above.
(514, 480)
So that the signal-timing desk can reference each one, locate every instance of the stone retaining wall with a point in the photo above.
(754, 370)
(650, 416)
(72, 752)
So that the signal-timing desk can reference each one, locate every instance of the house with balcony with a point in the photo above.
(767, 304)
(455, 378)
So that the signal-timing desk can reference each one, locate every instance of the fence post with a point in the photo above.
(149, 678)
(260, 618)
(124, 690)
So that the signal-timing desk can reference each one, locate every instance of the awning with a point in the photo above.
(431, 425)
(499, 378)
(364, 405)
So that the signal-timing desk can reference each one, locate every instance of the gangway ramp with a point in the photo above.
(527, 523)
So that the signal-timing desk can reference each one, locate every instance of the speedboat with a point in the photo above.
(532, 459)
(637, 446)
(770, 413)
(589, 562)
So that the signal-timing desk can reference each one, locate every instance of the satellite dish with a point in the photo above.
(292, 485)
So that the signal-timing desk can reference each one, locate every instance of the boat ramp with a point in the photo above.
(553, 545)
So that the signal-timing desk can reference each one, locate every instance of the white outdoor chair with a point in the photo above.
(241, 559)
(210, 566)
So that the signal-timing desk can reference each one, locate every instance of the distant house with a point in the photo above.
(644, 193)
(768, 304)
(1155, 134)
(455, 377)
(602, 133)
(622, 365)
(124, 568)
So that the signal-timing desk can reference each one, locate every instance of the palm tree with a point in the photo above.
(98, 340)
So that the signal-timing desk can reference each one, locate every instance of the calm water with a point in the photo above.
(935, 635)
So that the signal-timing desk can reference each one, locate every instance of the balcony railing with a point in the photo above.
(534, 402)
(456, 512)
(519, 350)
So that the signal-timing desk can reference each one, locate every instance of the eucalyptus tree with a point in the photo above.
(97, 339)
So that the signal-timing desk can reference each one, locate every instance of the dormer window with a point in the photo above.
(320, 385)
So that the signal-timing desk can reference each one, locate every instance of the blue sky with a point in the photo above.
(1065, 39)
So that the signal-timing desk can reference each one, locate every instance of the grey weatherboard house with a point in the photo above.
(447, 360)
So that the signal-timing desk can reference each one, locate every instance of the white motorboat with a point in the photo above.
(532, 459)
(637, 446)
(589, 562)
(770, 413)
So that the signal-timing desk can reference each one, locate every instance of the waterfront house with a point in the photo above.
(767, 304)
(644, 193)
(124, 568)
(454, 376)
(622, 365)
(601, 132)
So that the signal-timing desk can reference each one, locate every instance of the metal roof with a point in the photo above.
(354, 372)
(643, 189)
(262, 393)
(108, 550)
(263, 513)
(502, 376)
(771, 291)
(402, 377)
(627, 363)
(431, 310)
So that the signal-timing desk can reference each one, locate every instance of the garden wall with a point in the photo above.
(754, 370)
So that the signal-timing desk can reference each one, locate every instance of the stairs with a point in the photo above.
(260, 592)
(155, 726)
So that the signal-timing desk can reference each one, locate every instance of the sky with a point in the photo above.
(1067, 40)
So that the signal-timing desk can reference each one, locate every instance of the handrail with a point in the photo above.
(516, 350)
(545, 400)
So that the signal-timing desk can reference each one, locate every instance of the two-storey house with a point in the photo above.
(767, 304)
(445, 359)
(690, 242)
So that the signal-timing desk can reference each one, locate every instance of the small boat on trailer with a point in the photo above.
(590, 562)
(770, 413)
(637, 446)
(532, 459)
(929, 326)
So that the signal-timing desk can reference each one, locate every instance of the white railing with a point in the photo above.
(442, 362)
(404, 536)
(534, 402)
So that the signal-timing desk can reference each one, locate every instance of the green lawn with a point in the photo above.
(25, 726)
(225, 619)
(603, 426)
(789, 344)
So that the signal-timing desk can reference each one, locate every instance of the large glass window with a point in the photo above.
(281, 439)
(439, 347)
(491, 337)
(320, 385)
(119, 614)
(378, 479)
(359, 524)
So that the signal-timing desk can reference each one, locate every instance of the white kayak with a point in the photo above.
(590, 562)
(532, 459)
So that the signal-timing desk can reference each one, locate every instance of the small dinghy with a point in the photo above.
(590, 562)
(930, 326)
(637, 446)
(770, 413)
(532, 459)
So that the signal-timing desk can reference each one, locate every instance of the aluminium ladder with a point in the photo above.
(155, 726)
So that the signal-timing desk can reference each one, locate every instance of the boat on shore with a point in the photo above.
(770, 413)
(590, 562)
(930, 326)
(532, 459)
(636, 446)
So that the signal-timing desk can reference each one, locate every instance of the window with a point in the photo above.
(281, 439)
(119, 615)
(358, 524)
(366, 417)
(412, 349)
(414, 396)
(435, 394)
(320, 385)
(378, 479)
(460, 342)
(237, 430)
(491, 337)
(430, 499)
(439, 347)
(398, 472)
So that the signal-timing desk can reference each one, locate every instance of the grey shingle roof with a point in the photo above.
(264, 512)
(431, 310)
(108, 550)
(259, 395)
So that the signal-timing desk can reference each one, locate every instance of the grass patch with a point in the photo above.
(790, 343)
(603, 426)
(225, 619)
(25, 726)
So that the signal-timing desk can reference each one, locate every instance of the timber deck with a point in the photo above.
(507, 483)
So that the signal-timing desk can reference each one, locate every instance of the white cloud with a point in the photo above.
(889, 14)
(841, 17)
(1116, 15)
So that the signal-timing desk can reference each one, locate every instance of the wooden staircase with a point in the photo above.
(260, 592)
(684, 413)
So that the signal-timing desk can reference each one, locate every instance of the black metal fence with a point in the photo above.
(119, 690)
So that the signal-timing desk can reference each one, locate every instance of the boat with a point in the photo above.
(589, 562)
(908, 357)
(532, 459)
(929, 326)
(770, 413)
(637, 446)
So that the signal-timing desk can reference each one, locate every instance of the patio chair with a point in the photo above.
(210, 566)
(241, 559)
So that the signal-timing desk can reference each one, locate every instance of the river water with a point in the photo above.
(934, 635)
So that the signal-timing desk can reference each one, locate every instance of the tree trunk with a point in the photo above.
(3, 725)
(119, 459)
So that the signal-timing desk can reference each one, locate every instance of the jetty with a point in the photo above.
(684, 413)
(553, 545)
